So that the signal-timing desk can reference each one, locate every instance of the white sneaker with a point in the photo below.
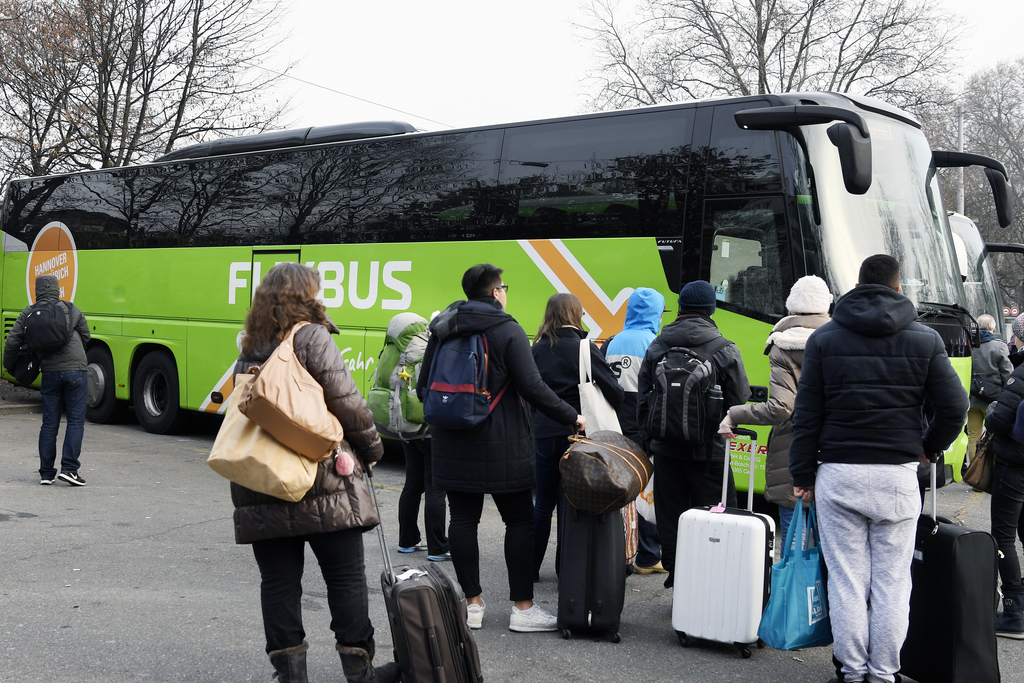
(531, 620)
(476, 615)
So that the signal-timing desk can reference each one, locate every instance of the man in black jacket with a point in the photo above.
(495, 456)
(689, 473)
(859, 412)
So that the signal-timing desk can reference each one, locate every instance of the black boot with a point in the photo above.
(290, 664)
(1010, 622)
(358, 665)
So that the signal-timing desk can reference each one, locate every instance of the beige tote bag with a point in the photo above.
(286, 401)
(246, 454)
(593, 405)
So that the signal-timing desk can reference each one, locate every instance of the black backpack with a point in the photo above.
(687, 395)
(47, 327)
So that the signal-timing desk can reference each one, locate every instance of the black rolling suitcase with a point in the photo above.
(592, 573)
(427, 613)
(952, 634)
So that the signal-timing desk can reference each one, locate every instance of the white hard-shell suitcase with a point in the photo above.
(723, 568)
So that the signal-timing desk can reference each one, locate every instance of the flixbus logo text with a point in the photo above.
(364, 287)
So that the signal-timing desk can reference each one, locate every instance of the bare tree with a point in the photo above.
(683, 49)
(116, 81)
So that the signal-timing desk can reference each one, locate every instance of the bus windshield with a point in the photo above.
(901, 214)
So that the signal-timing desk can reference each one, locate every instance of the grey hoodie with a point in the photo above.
(72, 357)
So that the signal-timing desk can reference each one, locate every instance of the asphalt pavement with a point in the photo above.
(136, 577)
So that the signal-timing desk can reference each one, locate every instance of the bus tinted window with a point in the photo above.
(747, 254)
(429, 188)
(741, 161)
(616, 176)
(92, 206)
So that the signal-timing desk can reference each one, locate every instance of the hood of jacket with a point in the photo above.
(47, 288)
(791, 333)
(690, 330)
(468, 317)
(644, 310)
(874, 311)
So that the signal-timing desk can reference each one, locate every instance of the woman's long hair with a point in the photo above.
(287, 295)
(562, 310)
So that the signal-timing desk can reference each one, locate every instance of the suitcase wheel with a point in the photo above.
(566, 633)
(760, 644)
(683, 640)
(616, 638)
(744, 651)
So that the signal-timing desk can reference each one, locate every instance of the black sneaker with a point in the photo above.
(43, 481)
(71, 478)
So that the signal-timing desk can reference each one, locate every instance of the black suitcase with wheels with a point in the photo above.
(592, 573)
(427, 614)
(952, 634)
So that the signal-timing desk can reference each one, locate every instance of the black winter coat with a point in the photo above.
(559, 367)
(865, 379)
(496, 456)
(693, 331)
(1001, 418)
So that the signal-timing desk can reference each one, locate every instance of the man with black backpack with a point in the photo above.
(57, 332)
(690, 376)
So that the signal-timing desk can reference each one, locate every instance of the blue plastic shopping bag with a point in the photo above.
(797, 613)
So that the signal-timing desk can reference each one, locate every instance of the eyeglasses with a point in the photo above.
(505, 287)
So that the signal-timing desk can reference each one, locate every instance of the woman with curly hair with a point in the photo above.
(328, 518)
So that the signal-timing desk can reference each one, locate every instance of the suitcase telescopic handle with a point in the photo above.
(935, 514)
(738, 431)
(367, 477)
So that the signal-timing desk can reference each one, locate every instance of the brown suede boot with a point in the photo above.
(290, 664)
(358, 665)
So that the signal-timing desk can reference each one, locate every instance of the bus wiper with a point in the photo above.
(538, 164)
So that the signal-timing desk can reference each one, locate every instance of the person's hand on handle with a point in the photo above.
(581, 423)
(806, 493)
(727, 427)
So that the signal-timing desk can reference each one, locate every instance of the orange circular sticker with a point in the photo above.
(53, 253)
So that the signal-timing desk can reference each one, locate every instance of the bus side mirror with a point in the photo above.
(854, 156)
(1001, 195)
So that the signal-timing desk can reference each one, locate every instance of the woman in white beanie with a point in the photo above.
(808, 305)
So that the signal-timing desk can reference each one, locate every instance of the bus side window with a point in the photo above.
(741, 161)
(614, 176)
(746, 268)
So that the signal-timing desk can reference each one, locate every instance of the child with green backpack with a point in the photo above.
(398, 413)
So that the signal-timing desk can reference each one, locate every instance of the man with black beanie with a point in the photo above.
(689, 473)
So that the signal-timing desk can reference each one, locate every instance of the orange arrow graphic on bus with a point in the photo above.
(608, 315)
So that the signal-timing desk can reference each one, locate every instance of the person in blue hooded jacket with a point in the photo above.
(625, 353)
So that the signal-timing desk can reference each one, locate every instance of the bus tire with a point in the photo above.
(101, 404)
(155, 393)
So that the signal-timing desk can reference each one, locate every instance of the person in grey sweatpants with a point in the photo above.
(858, 434)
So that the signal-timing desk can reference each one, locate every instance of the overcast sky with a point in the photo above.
(455, 63)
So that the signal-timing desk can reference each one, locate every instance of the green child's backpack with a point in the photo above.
(397, 411)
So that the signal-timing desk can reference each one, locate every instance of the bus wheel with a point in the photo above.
(155, 393)
(101, 404)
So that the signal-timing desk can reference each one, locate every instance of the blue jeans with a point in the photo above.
(549, 496)
(785, 518)
(648, 551)
(59, 390)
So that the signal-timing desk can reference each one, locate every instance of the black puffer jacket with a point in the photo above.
(1001, 418)
(334, 502)
(866, 376)
(496, 456)
(697, 332)
(559, 367)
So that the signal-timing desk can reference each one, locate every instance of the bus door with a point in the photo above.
(265, 259)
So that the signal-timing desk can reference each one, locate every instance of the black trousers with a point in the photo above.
(680, 484)
(516, 511)
(340, 554)
(419, 481)
(1007, 517)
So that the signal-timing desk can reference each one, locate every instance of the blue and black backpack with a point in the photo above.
(457, 395)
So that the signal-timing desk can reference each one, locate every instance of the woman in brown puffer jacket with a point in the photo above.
(335, 512)
(808, 305)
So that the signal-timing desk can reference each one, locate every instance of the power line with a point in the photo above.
(354, 97)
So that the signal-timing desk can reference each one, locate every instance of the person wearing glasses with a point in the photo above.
(496, 456)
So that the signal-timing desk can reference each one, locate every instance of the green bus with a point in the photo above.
(748, 193)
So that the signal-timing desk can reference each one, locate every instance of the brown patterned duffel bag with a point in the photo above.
(603, 471)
